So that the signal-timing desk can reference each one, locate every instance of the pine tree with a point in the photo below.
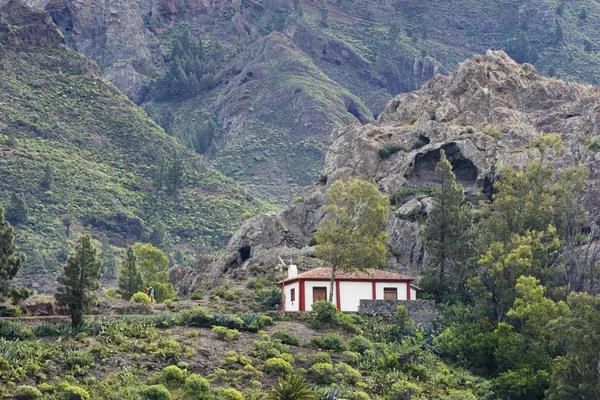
(324, 9)
(109, 265)
(9, 262)
(48, 180)
(158, 236)
(175, 175)
(558, 33)
(298, 7)
(17, 212)
(67, 220)
(79, 280)
(447, 230)
(130, 278)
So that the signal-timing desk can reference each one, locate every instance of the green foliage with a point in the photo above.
(286, 338)
(229, 394)
(278, 367)
(324, 11)
(359, 344)
(27, 393)
(19, 293)
(172, 377)
(195, 387)
(321, 373)
(268, 297)
(492, 131)
(198, 317)
(346, 374)
(78, 361)
(11, 311)
(332, 342)
(324, 312)
(79, 281)
(153, 266)
(291, 387)
(354, 237)
(9, 262)
(140, 298)
(386, 151)
(129, 277)
(71, 392)
(226, 334)
(155, 392)
(18, 210)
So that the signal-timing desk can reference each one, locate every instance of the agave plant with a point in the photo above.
(291, 387)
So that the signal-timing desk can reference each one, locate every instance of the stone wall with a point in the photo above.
(422, 311)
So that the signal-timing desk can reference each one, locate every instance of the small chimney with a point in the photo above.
(292, 271)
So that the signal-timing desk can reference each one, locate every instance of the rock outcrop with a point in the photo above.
(483, 116)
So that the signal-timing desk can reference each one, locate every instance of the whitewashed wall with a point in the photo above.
(352, 292)
(413, 294)
(401, 286)
(289, 304)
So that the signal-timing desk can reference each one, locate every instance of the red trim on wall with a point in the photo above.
(374, 290)
(408, 291)
(338, 296)
(302, 299)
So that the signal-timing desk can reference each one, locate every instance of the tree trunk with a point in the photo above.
(331, 282)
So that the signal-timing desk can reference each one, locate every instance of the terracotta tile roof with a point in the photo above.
(369, 274)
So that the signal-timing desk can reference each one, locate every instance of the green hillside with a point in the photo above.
(72, 144)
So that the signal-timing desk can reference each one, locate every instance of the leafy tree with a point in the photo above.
(153, 265)
(353, 236)
(448, 231)
(67, 220)
(129, 278)
(79, 280)
(324, 10)
(48, 179)
(9, 262)
(17, 212)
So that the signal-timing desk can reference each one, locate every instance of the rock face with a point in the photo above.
(491, 93)
(34, 28)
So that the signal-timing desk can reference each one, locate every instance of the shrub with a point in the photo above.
(172, 377)
(387, 150)
(332, 342)
(112, 293)
(359, 344)
(155, 392)
(321, 357)
(226, 334)
(265, 320)
(45, 329)
(490, 130)
(268, 297)
(291, 386)
(345, 373)
(594, 144)
(321, 373)
(70, 392)
(140, 298)
(268, 348)
(324, 311)
(405, 390)
(358, 395)
(197, 316)
(11, 311)
(351, 357)
(27, 393)
(227, 321)
(229, 394)
(286, 338)
(278, 366)
(167, 349)
(79, 361)
(195, 388)
(196, 295)
(14, 331)
(19, 293)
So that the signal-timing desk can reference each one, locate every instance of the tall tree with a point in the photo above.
(79, 280)
(129, 279)
(353, 236)
(67, 220)
(175, 174)
(153, 264)
(324, 10)
(48, 179)
(448, 231)
(558, 33)
(17, 212)
(9, 262)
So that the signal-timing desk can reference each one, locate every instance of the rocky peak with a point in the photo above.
(21, 25)
(484, 115)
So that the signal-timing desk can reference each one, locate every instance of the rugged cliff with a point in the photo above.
(484, 115)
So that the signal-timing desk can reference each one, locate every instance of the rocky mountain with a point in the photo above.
(290, 74)
(484, 115)
(76, 154)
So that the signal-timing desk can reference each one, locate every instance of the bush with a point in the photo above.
(228, 321)
(196, 295)
(321, 373)
(286, 338)
(358, 395)
(14, 331)
(140, 298)
(268, 348)
(69, 392)
(490, 130)
(195, 388)
(345, 373)
(198, 317)
(112, 293)
(291, 386)
(360, 344)
(277, 366)
(172, 377)
(269, 297)
(226, 334)
(229, 394)
(321, 357)
(27, 393)
(45, 329)
(351, 357)
(332, 342)
(324, 311)
(19, 293)
(405, 390)
(79, 361)
(387, 150)
(155, 392)
(11, 311)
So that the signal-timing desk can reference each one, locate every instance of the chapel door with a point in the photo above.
(390, 293)
(319, 294)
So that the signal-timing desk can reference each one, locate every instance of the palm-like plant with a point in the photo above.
(291, 387)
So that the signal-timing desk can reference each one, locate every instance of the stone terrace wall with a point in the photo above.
(422, 311)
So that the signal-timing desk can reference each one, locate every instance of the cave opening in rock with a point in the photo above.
(245, 253)
(424, 174)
